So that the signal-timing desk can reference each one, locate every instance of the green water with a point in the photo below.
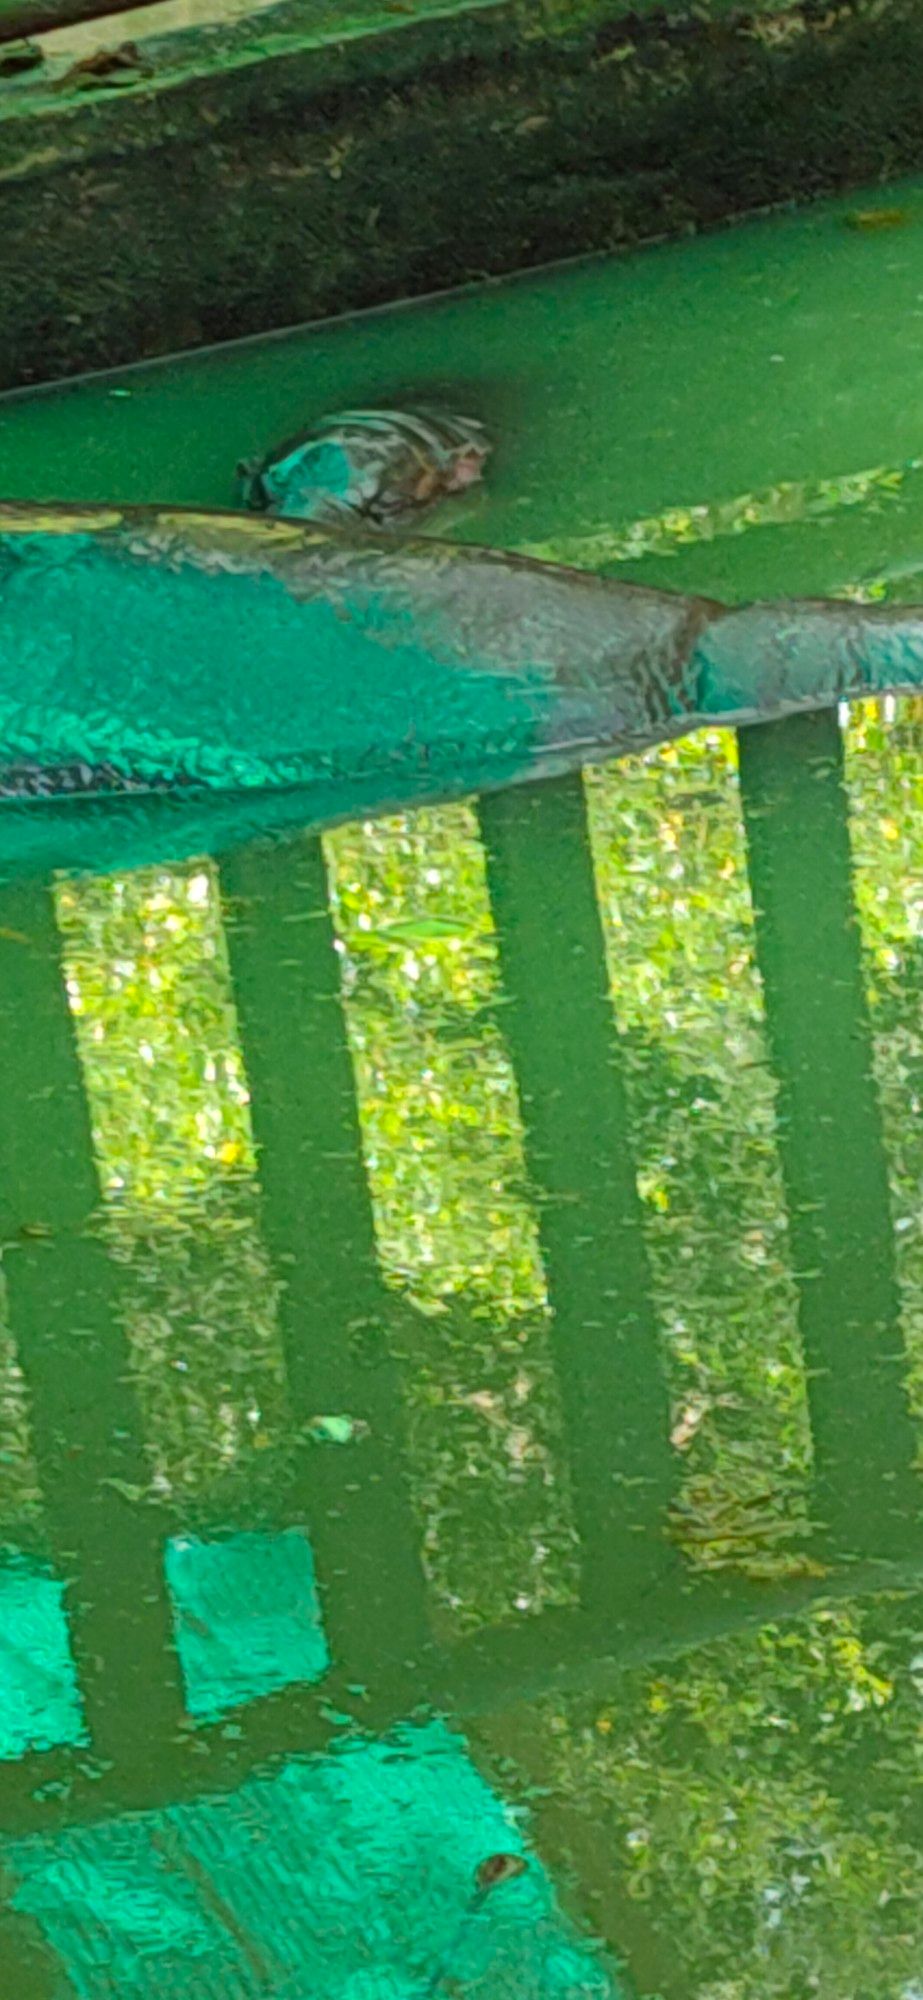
(461, 1383)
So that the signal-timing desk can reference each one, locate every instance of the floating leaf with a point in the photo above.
(498, 1868)
(127, 1491)
(877, 218)
(419, 930)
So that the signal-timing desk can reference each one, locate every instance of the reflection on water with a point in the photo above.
(147, 978)
(455, 1220)
(671, 861)
(462, 1397)
(886, 786)
(461, 1364)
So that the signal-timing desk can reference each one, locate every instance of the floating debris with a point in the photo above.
(337, 1430)
(871, 219)
(488, 1875)
(105, 67)
(496, 1869)
(127, 1490)
(415, 930)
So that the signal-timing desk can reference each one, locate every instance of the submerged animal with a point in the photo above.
(372, 466)
(215, 668)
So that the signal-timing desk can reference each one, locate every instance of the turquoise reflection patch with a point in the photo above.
(247, 1617)
(39, 1697)
(342, 1877)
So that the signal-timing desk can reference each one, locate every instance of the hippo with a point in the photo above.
(367, 466)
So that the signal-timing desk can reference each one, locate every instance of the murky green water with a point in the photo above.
(462, 1369)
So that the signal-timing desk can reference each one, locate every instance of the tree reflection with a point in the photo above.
(382, 1241)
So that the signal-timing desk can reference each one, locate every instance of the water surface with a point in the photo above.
(462, 1368)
